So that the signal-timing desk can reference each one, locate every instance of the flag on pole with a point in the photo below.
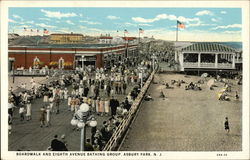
(141, 30)
(125, 31)
(180, 24)
(45, 31)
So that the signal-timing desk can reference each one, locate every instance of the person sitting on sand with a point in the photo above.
(237, 95)
(167, 85)
(224, 97)
(148, 98)
(162, 95)
(191, 85)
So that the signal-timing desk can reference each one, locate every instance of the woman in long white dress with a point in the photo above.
(28, 111)
(48, 116)
(69, 103)
(93, 105)
(51, 104)
(61, 91)
(45, 97)
(97, 103)
(66, 93)
(106, 106)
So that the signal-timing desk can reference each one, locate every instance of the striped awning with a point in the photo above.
(208, 47)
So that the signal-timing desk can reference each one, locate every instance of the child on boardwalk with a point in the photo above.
(42, 116)
(21, 112)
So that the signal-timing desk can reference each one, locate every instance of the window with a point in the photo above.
(36, 63)
(61, 63)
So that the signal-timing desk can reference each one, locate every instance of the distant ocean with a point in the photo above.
(236, 45)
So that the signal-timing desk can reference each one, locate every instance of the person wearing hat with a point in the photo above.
(88, 146)
(57, 145)
(63, 139)
(28, 109)
(48, 116)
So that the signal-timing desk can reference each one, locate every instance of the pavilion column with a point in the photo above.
(237, 57)
(199, 59)
(175, 56)
(233, 62)
(216, 60)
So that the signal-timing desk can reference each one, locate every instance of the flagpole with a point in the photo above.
(176, 31)
(139, 36)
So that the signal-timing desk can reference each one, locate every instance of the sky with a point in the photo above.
(201, 24)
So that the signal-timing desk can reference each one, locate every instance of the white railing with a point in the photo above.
(238, 61)
(207, 65)
(210, 65)
(121, 129)
(224, 65)
(190, 64)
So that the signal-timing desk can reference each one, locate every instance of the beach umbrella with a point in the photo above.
(211, 82)
(204, 75)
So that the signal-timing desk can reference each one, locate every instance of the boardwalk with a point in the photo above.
(186, 120)
(27, 135)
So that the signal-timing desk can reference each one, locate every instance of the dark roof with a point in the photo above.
(27, 40)
(68, 46)
(208, 47)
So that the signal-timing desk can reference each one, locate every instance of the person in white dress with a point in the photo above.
(66, 93)
(48, 116)
(25, 97)
(69, 103)
(97, 103)
(51, 104)
(28, 111)
(93, 105)
(61, 91)
(45, 97)
(112, 92)
(106, 106)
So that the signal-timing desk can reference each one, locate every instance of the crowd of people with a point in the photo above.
(99, 88)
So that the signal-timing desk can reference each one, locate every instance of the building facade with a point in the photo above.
(105, 39)
(65, 38)
(206, 56)
(69, 56)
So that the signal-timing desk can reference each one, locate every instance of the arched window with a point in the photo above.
(36, 62)
(61, 63)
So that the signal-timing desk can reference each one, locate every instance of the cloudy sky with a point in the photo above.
(201, 24)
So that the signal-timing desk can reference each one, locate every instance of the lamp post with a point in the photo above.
(82, 62)
(82, 118)
(13, 76)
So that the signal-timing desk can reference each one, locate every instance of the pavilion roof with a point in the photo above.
(208, 47)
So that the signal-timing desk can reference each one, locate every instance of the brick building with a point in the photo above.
(74, 55)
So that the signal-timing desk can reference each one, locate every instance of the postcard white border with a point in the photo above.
(244, 5)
